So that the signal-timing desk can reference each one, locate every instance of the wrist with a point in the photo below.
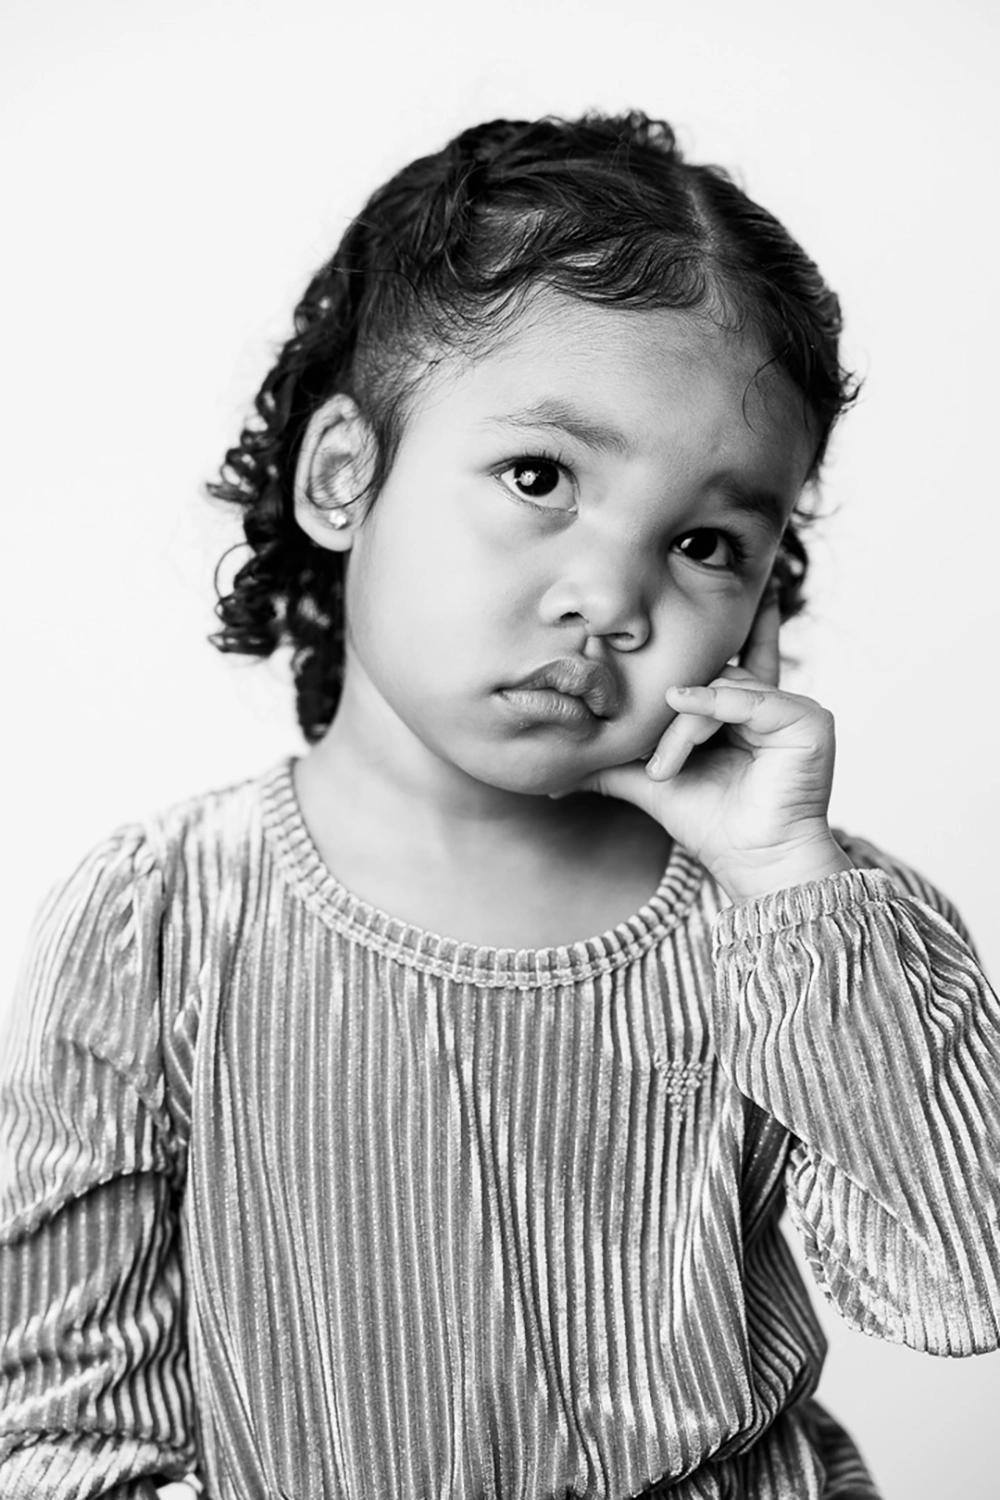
(812, 858)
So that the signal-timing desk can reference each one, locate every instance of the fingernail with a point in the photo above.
(654, 766)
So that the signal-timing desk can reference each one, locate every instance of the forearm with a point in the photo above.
(861, 1021)
(94, 1390)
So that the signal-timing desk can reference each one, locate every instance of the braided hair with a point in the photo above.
(604, 209)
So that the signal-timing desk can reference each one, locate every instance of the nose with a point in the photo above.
(606, 594)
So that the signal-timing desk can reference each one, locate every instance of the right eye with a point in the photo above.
(541, 482)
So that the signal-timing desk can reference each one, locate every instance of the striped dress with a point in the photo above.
(326, 1207)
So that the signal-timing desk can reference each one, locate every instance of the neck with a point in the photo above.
(371, 775)
(415, 835)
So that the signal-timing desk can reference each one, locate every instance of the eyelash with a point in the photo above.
(525, 461)
(738, 549)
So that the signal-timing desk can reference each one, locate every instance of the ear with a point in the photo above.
(333, 475)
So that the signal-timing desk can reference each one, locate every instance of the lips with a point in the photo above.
(576, 678)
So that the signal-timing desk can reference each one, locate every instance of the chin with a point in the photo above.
(528, 781)
(537, 770)
(533, 771)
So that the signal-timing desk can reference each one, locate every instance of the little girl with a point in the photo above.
(346, 1160)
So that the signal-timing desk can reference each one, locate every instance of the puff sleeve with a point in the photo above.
(94, 1388)
(853, 1010)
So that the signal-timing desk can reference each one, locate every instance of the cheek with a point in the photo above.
(423, 609)
(698, 644)
(695, 646)
(719, 646)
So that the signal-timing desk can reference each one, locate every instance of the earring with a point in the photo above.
(336, 519)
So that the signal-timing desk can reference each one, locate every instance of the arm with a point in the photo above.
(848, 1007)
(852, 1010)
(94, 1390)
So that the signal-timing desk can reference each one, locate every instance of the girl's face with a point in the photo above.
(574, 522)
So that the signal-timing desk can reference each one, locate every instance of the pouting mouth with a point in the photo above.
(589, 680)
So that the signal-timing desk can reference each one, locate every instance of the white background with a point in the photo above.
(173, 174)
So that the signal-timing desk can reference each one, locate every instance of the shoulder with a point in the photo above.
(101, 934)
(211, 830)
(153, 859)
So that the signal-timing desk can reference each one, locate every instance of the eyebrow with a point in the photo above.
(759, 504)
(560, 416)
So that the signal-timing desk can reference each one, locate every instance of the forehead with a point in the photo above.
(668, 384)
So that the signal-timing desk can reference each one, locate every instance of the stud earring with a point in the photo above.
(336, 519)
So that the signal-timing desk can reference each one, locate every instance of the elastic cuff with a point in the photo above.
(754, 919)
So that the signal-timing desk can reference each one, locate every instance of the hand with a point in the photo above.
(752, 806)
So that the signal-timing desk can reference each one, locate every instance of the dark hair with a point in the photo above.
(604, 209)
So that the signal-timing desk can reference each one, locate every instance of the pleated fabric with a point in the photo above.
(327, 1206)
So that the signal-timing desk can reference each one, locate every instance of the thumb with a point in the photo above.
(629, 783)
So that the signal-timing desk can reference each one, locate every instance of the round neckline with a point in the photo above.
(339, 908)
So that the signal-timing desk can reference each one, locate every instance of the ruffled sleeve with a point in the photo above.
(853, 1010)
(94, 1388)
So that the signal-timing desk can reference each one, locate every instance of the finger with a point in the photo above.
(757, 707)
(682, 735)
(686, 732)
(629, 782)
(761, 655)
(742, 675)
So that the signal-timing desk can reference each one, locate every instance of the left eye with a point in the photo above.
(710, 548)
(537, 480)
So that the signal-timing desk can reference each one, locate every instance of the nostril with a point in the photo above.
(626, 640)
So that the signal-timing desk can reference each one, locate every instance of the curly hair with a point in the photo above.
(603, 208)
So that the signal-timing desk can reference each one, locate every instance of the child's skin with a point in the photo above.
(424, 797)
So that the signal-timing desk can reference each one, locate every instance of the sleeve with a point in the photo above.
(94, 1389)
(853, 1010)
